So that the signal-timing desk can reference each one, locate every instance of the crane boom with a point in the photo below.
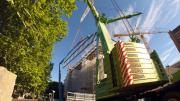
(140, 33)
(142, 37)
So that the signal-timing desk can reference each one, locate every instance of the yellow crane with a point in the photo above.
(141, 34)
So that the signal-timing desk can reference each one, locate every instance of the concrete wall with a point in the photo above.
(7, 82)
(173, 68)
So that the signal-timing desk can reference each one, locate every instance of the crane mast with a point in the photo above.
(103, 33)
(105, 36)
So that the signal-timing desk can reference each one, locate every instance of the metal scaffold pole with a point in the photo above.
(60, 89)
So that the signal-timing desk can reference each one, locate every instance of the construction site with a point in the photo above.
(103, 69)
(90, 50)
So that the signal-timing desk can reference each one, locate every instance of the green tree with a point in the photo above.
(28, 31)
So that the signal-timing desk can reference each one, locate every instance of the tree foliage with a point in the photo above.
(28, 31)
(53, 86)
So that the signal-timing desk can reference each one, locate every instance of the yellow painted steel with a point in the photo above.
(145, 80)
(141, 68)
(135, 50)
(135, 60)
(132, 44)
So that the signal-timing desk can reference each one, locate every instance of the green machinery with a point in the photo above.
(114, 82)
(176, 76)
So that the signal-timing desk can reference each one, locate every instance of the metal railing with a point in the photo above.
(75, 96)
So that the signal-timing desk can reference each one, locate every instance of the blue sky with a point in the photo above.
(157, 15)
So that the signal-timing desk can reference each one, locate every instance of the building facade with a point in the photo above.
(175, 36)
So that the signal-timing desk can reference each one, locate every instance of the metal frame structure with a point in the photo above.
(102, 33)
